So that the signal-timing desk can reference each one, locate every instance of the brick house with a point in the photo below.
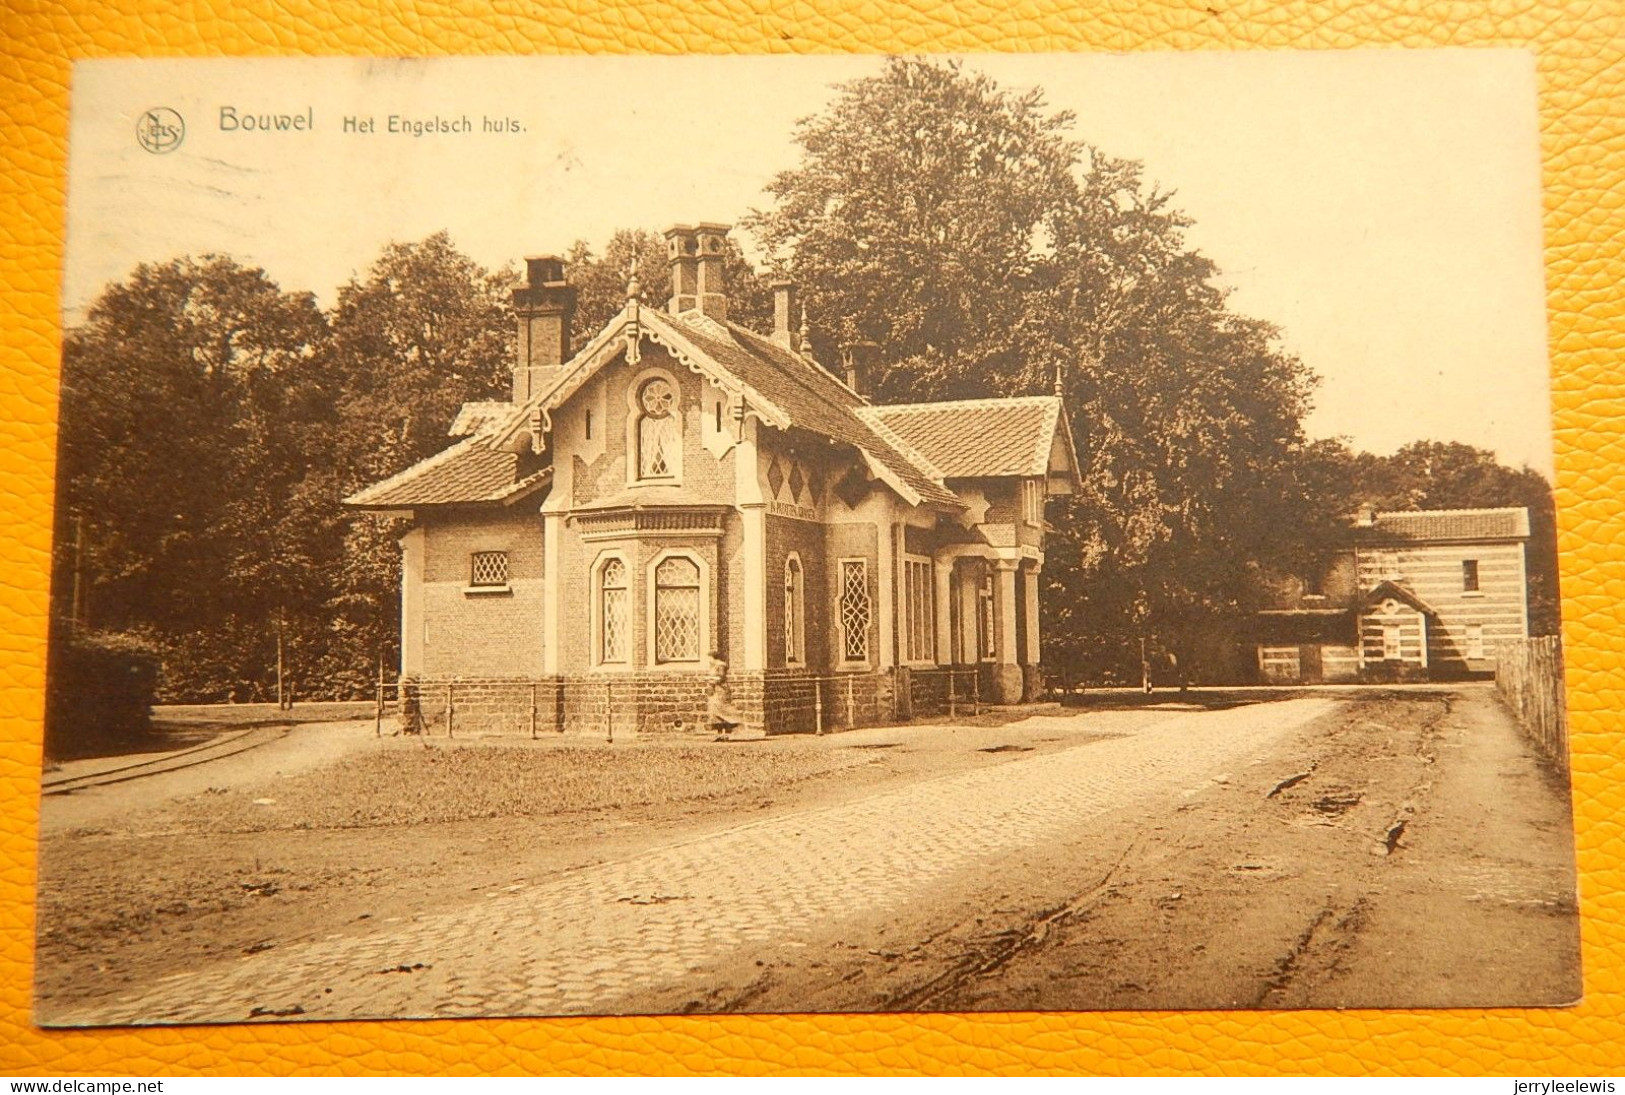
(1414, 595)
(681, 488)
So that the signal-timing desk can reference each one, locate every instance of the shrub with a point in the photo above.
(99, 693)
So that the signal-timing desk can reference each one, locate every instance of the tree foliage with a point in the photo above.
(958, 225)
(211, 425)
(213, 422)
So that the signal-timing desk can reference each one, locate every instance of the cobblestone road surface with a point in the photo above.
(579, 943)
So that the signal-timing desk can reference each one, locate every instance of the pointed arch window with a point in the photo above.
(659, 430)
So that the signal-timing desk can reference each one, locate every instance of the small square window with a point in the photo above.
(490, 568)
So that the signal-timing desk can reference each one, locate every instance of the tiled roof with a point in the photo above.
(470, 471)
(977, 438)
(818, 402)
(478, 417)
(999, 437)
(786, 388)
(1449, 524)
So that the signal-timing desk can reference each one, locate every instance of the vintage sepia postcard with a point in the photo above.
(598, 536)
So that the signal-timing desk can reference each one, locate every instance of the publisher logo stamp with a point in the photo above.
(160, 130)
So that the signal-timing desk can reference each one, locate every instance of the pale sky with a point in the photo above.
(1381, 207)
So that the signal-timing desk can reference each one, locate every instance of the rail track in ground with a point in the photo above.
(227, 745)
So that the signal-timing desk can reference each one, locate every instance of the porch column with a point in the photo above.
(886, 534)
(1034, 683)
(1007, 676)
(943, 571)
(970, 653)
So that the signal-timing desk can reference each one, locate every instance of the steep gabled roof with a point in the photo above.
(472, 470)
(1511, 523)
(778, 386)
(983, 438)
(1399, 592)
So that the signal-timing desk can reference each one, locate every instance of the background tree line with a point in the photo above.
(212, 421)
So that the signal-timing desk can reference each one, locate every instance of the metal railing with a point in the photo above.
(944, 691)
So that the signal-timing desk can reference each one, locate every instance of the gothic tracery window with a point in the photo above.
(659, 433)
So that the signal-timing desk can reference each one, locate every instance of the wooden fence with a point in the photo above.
(1529, 676)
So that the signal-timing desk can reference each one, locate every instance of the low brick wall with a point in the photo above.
(937, 694)
(793, 701)
(479, 706)
(627, 705)
(635, 704)
(620, 705)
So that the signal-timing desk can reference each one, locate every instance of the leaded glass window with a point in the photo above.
(489, 568)
(677, 610)
(614, 627)
(659, 436)
(855, 610)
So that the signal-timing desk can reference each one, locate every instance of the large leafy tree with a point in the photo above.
(423, 331)
(211, 425)
(189, 400)
(919, 219)
(959, 226)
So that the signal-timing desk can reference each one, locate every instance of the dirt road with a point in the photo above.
(1407, 851)
(1393, 848)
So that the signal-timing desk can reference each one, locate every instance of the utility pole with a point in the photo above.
(77, 602)
(281, 696)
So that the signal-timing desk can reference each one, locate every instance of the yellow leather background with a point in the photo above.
(1582, 74)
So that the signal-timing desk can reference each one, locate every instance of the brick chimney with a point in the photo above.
(858, 359)
(713, 245)
(544, 305)
(785, 300)
(683, 253)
